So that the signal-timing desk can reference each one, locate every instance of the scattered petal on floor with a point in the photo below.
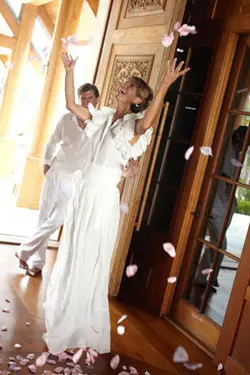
(62, 356)
(133, 370)
(114, 362)
(172, 280)
(236, 163)
(180, 355)
(32, 368)
(124, 367)
(15, 368)
(207, 271)
(42, 359)
(169, 248)
(122, 318)
(147, 373)
(17, 346)
(206, 150)
(193, 366)
(24, 362)
(27, 324)
(120, 330)
(189, 152)
(131, 270)
(4, 329)
(7, 300)
(58, 370)
(5, 311)
(77, 356)
(220, 367)
(124, 373)
(51, 361)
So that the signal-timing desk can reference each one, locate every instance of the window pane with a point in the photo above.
(242, 94)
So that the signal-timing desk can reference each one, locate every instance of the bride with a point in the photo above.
(76, 306)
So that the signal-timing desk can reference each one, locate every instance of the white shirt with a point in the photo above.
(68, 148)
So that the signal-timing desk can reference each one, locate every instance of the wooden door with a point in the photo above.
(218, 240)
(163, 187)
(133, 47)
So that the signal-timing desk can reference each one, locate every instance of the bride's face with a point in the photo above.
(126, 93)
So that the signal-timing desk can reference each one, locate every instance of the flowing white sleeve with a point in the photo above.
(99, 118)
(54, 140)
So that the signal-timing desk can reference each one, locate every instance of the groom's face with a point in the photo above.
(88, 97)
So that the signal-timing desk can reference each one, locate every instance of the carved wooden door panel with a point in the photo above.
(133, 47)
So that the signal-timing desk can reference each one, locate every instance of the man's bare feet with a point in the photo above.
(22, 263)
(33, 271)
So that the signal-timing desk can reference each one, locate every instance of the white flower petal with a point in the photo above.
(131, 270)
(220, 367)
(122, 318)
(189, 152)
(77, 356)
(235, 163)
(114, 362)
(169, 248)
(42, 359)
(206, 150)
(207, 271)
(120, 330)
(17, 346)
(180, 355)
(172, 280)
(193, 366)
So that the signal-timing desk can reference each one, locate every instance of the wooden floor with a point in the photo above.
(147, 339)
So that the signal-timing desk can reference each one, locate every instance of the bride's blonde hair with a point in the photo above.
(144, 92)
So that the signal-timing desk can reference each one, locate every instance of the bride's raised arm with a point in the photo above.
(172, 73)
(69, 65)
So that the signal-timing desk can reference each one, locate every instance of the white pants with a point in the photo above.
(53, 204)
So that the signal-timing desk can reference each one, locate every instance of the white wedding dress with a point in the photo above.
(76, 306)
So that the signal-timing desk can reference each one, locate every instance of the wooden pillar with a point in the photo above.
(67, 22)
(19, 59)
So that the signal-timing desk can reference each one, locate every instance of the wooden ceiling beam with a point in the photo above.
(7, 41)
(46, 20)
(4, 59)
(94, 5)
(9, 17)
(37, 2)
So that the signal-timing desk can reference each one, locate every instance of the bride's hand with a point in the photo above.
(68, 61)
(173, 72)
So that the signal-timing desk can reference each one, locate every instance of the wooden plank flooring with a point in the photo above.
(147, 339)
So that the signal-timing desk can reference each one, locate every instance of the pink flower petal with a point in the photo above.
(42, 359)
(167, 40)
(51, 361)
(124, 373)
(62, 356)
(169, 248)
(207, 271)
(24, 362)
(235, 163)
(131, 270)
(147, 373)
(27, 324)
(32, 368)
(15, 368)
(6, 311)
(193, 366)
(4, 329)
(77, 356)
(120, 330)
(58, 370)
(206, 150)
(17, 346)
(7, 300)
(177, 25)
(185, 29)
(220, 367)
(189, 152)
(172, 280)
(124, 208)
(180, 355)
(114, 362)
(122, 318)
(124, 367)
(133, 370)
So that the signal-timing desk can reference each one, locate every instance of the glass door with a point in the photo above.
(223, 216)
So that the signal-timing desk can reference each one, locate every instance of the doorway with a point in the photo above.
(219, 231)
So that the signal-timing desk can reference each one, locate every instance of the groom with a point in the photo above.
(67, 150)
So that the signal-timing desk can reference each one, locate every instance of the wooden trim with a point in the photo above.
(201, 327)
(235, 304)
(232, 367)
(247, 294)
(222, 251)
(242, 113)
(9, 17)
(152, 165)
(7, 41)
(209, 119)
(46, 20)
(37, 2)
(94, 5)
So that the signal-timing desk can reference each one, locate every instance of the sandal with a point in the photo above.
(22, 263)
(33, 271)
